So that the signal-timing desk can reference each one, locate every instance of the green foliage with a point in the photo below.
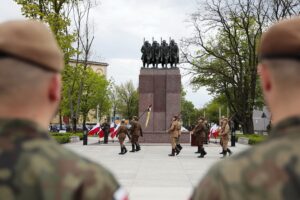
(63, 138)
(127, 100)
(254, 138)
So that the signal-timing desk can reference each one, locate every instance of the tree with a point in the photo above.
(95, 93)
(226, 42)
(127, 101)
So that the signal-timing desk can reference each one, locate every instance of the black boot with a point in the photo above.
(199, 150)
(229, 151)
(122, 151)
(133, 149)
(179, 147)
(138, 147)
(173, 153)
(224, 154)
(203, 153)
(125, 150)
(177, 150)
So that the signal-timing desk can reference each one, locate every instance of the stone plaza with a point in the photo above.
(151, 173)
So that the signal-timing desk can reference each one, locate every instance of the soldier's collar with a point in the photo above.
(286, 124)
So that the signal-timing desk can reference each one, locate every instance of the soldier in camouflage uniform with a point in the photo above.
(32, 165)
(269, 170)
(135, 131)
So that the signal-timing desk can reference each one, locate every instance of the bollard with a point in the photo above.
(85, 137)
(233, 138)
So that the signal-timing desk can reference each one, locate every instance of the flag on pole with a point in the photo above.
(96, 130)
(148, 115)
(113, 129)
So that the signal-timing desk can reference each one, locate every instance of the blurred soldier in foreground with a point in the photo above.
(269, 170)
(105, 127)
(199, 131)
(121, 134)
(174, 132)
(32, 165)
(135, 131)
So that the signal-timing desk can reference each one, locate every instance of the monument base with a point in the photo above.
(162, 137)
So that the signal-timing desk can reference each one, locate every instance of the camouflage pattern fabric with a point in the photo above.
(269, 171)
(33, 166)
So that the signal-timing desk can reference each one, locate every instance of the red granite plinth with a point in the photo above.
(162, 89)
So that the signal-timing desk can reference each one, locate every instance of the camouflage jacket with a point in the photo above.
(33, 166)
(270, 170)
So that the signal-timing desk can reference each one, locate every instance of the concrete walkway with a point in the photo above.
(151, 173)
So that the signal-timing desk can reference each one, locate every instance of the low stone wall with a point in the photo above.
(243, 140)
(74, 139)
(162, 137)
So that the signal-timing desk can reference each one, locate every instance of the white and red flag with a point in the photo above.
(113, 129)
(96, 130)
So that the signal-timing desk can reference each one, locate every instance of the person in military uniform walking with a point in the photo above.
(269, 170)
(178, 147)
(121, 134)
(106, 128)
(174, 132)
(225, 131)
(33, 165)
(135, 132)
(199, 131)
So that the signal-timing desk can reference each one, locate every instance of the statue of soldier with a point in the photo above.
(174, 53)
(164, 54)
(155, 54)
(146, 54)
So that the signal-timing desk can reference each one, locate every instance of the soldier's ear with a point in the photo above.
(265, 75)
(54, 88)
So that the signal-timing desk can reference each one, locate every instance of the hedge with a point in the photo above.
(63, 138)
(253, 138)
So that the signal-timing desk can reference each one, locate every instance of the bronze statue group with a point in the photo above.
(200, 133)
(163, 54)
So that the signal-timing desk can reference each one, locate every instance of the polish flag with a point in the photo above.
(96, 130)
(113, 129)
(214, 131)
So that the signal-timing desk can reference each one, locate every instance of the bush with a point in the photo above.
(255, 138)
(62, 139)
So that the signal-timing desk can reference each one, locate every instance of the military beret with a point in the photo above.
(281, 41)
(30, 41)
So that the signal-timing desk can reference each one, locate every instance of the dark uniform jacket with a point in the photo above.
(136, 128)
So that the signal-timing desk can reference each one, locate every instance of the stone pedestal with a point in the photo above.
(160, 88)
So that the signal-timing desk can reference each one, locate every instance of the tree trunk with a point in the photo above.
(247, 125)
(74, 122)
(84, 122)
(60, 120)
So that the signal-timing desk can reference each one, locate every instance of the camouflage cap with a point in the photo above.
(281, 41)
(32, 42)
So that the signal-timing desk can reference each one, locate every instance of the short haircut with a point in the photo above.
(285, 72)
(18, 78)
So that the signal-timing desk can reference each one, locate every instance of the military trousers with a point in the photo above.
(134, 139)
(174, 141)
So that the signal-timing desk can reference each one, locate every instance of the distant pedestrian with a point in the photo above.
(174, 133)
(105, 126)
(135, 132)
(121, 134)
(199, 132)
(178, 147)
(225, 132)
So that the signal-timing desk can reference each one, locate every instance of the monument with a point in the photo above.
(160, 88)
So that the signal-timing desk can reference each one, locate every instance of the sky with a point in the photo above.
(120, 28)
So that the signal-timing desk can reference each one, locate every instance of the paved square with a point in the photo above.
(151, 173)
